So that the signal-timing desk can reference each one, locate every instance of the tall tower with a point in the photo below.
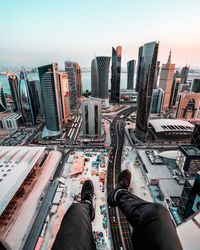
(145, 77)
(3, 105)
(139, 68)
(130, 73)
(157, 99)
(75, 83)
(91, 114)
(94, 78)
(26, 99)
(65, 95)
(166, 80)
(184, 74)
(116, 71)
(51, 96)
(14, 88)
(196, 85)
(156, 74)
(174, 91)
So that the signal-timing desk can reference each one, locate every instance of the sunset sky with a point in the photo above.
(41, 31)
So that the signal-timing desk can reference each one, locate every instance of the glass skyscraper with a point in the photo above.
(115, 74)
(130, 73)
(26, 100)
(14, 89)
(94, 78)
(3, 105)
(145, 77)
(50, 87)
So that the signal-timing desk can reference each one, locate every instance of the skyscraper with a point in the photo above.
(14, 89)
(145, 79)
(94, 78)
(196, 85)
(91, 114)
(115, 74)
(139, 68)
(75, 84)
(65, 96)
(196, 136)
(3, 105)
(99, 78)
(157, 100)
(35, 94)
(188, 105)
(166, 80)
(51, 96)
(156, 74)
(130, 73)
(184, 74)
(174, 91)
(26, 99)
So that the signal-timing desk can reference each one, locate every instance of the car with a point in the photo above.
(114, 219)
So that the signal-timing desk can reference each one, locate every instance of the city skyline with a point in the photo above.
(34, 44)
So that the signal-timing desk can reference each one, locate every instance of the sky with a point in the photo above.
(38, 32)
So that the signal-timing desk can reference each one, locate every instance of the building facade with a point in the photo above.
(130, 74)
(196, 136)
(94, 78)
(65, 96)
(174, 92)
(196, 85)
(26, 100)
(156, 74)
(166, 80)
(157, 100)
(14, 89)
(139, 68)
(188, 106)
(91, 115)
(3, 105)
(184, 74)
(75, 83)
(50, 87)
(146, 83)
(115, 74)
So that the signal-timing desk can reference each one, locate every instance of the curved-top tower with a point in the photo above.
(26, 102)
(94, 78)
(14, 88)
(103, 63)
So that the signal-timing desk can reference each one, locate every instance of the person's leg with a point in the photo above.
(151, 222)
(75, 232)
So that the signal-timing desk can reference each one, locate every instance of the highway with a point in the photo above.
(120, 229)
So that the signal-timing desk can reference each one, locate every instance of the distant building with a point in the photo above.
(157, 100)
(75, 83)
(26, 100)
(50, 87)
(190, 198)
(184, 88)
(146, 82)
(94, 78)
(130, 73)
(174, 92)
(188, 159)
(115, 74)
(188, 106)
(3, 105)
(65, 96)
(156, 74)
(91, 115)
(166, 80)
(170, 129)
(196, 136)
(184, 74)
(35, 91)
(139, 68)
(14, 88)
(99, 75)
(196, 85)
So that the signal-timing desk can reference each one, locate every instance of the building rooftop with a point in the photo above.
(190, 150)
(171, 154)
(167, 125)
(15, 165)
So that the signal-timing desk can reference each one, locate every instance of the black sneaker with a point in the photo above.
(87, 194)
(123, 182)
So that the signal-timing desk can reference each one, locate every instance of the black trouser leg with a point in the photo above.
(75, 232)
(151, 222)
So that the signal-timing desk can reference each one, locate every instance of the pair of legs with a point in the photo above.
(152, 225)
